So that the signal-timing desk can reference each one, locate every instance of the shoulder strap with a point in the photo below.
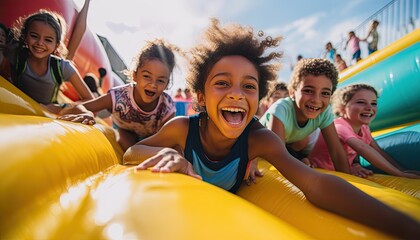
(56, 74)
(243, 163)
(20, 66)
(56, 69)
(191, 136)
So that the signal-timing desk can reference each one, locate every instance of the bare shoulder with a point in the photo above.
(260, 133)
(173, 133)
(262, 141)
(176, 127)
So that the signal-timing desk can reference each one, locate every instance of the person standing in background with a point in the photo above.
(353, 44)
(329, 52)
(372, 38)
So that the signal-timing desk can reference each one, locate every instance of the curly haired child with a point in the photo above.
(229, 72)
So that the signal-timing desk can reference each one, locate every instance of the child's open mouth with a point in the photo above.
(233, 115)
(366, 115)
(149, 93)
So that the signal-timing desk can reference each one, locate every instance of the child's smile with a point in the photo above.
(361, 109)
(312, 97)
(231, 95)
(41, 39)
(152, 79)
(234, 116)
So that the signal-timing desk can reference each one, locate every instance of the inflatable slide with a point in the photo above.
(63, 180)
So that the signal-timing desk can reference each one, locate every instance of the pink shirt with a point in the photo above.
(354, 44)
(320, 155)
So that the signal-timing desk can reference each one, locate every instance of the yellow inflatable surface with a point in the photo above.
(62, 180)
(291, 205)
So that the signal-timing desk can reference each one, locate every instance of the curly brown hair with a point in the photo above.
(316, 67)
(231, 40)
(343, 95)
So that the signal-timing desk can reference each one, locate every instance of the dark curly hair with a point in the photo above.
(316, 67)
(231, 40)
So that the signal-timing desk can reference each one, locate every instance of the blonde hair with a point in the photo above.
(343, 96)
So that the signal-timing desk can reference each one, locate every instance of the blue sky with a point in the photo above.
(306, 25)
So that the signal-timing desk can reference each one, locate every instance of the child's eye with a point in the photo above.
(307, 91)
(33, 36)
(374, 104)
(250, 86)
(49, 40)
(162, 81)
(221, 83)
(146, 76)
(326, 94)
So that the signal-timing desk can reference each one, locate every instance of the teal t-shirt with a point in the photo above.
(284, 110)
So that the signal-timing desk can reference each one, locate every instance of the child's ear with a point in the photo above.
(292, 93)
(134, 76)
(200, 99)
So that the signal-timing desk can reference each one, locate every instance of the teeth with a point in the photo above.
(313, 108)
(367, 114)
(233, 109)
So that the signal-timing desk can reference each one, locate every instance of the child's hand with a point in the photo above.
(359, 171)
(84, 118)
(252, 172)
(169, 160)
(412, 171)
(411, 174)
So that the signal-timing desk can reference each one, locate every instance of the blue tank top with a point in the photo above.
(227, 173)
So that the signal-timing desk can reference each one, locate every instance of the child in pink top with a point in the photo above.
(357, 106)
(354, 46)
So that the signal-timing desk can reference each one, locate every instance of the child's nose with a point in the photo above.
(236, 94)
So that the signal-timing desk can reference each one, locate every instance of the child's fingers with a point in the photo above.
(148, 163)
(192, 173)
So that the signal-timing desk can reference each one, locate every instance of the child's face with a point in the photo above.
(311, 97)
(277, 95)
(361, 109)
(231, 95)
(41, 39)
(152, 78)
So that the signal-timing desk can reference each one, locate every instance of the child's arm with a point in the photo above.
(277, 127)
(78, 30)
(158, 151)
(333, 193)
(372, 155)
(337, 153)
(83, 112)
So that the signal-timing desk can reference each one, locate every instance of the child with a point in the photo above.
(229, 74)
(340, 64)
(329, 52)
(356, 106)
(295, 118)
(353, 43)
(276, 91)
(138, 109)
(374, 37)
(35, 70)
(4, 63)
